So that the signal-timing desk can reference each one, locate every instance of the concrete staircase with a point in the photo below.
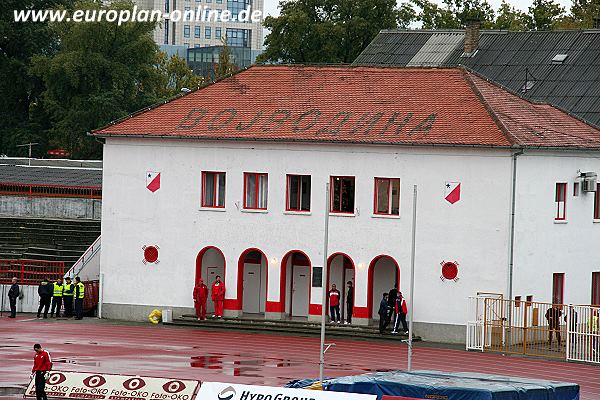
(249, 324)
(46, 239)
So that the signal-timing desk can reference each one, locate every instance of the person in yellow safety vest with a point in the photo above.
(68, 294)
(594, 330)
(57, 296)
(79, 295)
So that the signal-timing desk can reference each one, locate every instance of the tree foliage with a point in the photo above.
(509, 18)
(544, 15)
(175, 75)
(225, 66)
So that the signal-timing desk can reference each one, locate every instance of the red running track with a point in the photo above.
(250, 358)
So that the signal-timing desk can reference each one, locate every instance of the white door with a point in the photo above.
(300, 282)
(209, 279)
(251, 303)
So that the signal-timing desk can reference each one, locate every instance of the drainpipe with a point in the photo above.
(511, 246)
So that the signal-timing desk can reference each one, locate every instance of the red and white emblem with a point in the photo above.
(452, 193)
(153, 181)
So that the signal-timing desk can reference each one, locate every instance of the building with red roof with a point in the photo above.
(231, 179)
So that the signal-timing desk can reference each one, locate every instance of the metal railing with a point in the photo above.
(30, 272)
(583, 333)
(85, 258)
(44, 190)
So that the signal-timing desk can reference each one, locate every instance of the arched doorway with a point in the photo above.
(210, 262)
(252, 281)
(384, 273)
(295, 283)
(340, 270)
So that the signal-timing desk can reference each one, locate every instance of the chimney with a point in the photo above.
(471, 37)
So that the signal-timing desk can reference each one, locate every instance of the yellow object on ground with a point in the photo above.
(155, 316)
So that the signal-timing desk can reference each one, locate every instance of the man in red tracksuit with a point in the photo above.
(41, 364)
(200, 296)
(218, 296)
(334, 305)
(401, 310)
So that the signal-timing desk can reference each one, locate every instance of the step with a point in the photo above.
(287, 326)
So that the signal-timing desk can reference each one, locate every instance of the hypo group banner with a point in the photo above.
(228, 391)
(78, 385)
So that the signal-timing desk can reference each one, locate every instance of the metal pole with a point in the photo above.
(412, 279)
(100, 297)
(323, 284)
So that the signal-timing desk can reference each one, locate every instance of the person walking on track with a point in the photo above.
(79, 296)
(42, 364)
(13, 295)
(218, 296)
(45, 292)
(200, 296)
(57, 295)
(68, 294)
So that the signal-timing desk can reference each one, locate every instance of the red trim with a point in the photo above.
(314, 309)
(273, 306)
(561, 188)
(199, 272)
(256, 185)
(232, 304)
(287, 194)
(30, 272)
(216, 187)
(370, 281)
(47, 190)
(329, 261)
(597, 202)
(283, 279)
(240, 277)
(558, 287)
(389, 196)
(595, 301)
(331, 191)
(360, 312)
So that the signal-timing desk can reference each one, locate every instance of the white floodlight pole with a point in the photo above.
(323, 284)
(412, 279)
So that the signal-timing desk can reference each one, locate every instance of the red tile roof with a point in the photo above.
(359, 105)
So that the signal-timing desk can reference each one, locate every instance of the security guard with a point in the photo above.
(79, 295)
(57, 296)
(68, 294)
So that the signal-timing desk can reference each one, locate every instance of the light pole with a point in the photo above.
(412, 279)
(323, 285)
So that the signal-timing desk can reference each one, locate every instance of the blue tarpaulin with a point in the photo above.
(453, 386)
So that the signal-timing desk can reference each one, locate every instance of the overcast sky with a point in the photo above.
(271, 5)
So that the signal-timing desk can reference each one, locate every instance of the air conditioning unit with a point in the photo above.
(589, 181)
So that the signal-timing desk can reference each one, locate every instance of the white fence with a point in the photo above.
(28, 303)
(583, 337)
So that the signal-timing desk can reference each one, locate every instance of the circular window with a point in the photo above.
(449, 270)
(151, 254)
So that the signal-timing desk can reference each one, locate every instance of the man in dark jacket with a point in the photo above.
(383, 313)
(13, 295)
(349, 303)
(45, 293)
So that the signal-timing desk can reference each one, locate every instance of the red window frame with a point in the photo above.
(331, 193)
(595, 301)
(376, 193)
(287, 194)
(216, 180)
(256, 185)
(597, 202)
(561, 191)
(558, 287)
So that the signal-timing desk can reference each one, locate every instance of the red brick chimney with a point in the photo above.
(471, 37)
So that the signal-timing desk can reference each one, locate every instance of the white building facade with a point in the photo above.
(253, 211)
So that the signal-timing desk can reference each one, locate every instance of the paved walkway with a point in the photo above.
(251, 358)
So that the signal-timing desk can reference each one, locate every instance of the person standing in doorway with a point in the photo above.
(57, 295)
(45, 293)
(218, 296)
(400, 310)
(42, 363)
(13, 295)
(553, 317)
(334, 304)
(349, 302)
(383, 312)
(200, 295)
(68, 295)
(393, 295)
(79, 296)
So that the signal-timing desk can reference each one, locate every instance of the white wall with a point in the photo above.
(542, 246)
(29, 303)
(472, 231)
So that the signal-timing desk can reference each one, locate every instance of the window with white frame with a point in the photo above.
(342, 194)
(387, 196)
(561, 201)
(298, 193)
(255, 191)
(213, 189)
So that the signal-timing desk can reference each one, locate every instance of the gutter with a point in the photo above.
(511, 243)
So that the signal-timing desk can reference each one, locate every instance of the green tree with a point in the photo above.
(226, 66)
(102, 71)
(327, 31)
(544, 15)
(454, 14)
(175, 75)
(21, 118)
(509, 18)
(583, 14)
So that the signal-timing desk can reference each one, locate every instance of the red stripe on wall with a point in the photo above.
(274, 306)
(360, 312)
(314, 309)
(232, 304)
